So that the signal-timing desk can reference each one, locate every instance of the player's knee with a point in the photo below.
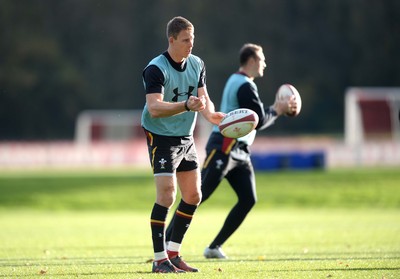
(166, 201)
(166, 198)
(193, 198)
(248, 203)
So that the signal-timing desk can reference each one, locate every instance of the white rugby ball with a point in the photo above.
(284, 93)
(238, 123)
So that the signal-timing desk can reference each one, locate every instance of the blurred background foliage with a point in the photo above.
(59, 57)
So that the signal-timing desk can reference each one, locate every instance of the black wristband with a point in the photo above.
(186, 105)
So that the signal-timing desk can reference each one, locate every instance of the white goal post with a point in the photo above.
(372, 114)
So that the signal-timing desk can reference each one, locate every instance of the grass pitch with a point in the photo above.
(333, 224)
(134, 190)
(284, 243)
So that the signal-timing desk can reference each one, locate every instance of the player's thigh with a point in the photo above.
(189, 184)
(215, 167)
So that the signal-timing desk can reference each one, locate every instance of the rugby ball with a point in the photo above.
(284, 93)
(238, 123)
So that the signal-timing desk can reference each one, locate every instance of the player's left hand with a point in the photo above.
(216, 117)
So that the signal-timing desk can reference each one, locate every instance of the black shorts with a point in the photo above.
(171, 154)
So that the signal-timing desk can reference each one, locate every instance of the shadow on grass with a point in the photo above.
(138, 260)
(112, 273)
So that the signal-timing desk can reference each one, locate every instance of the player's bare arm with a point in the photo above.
(209, 112)
(159, 108)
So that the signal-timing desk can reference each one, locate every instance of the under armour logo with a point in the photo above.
(177, 94)
(162, 162)
(219, 163)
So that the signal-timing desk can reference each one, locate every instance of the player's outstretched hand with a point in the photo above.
(216, 117)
